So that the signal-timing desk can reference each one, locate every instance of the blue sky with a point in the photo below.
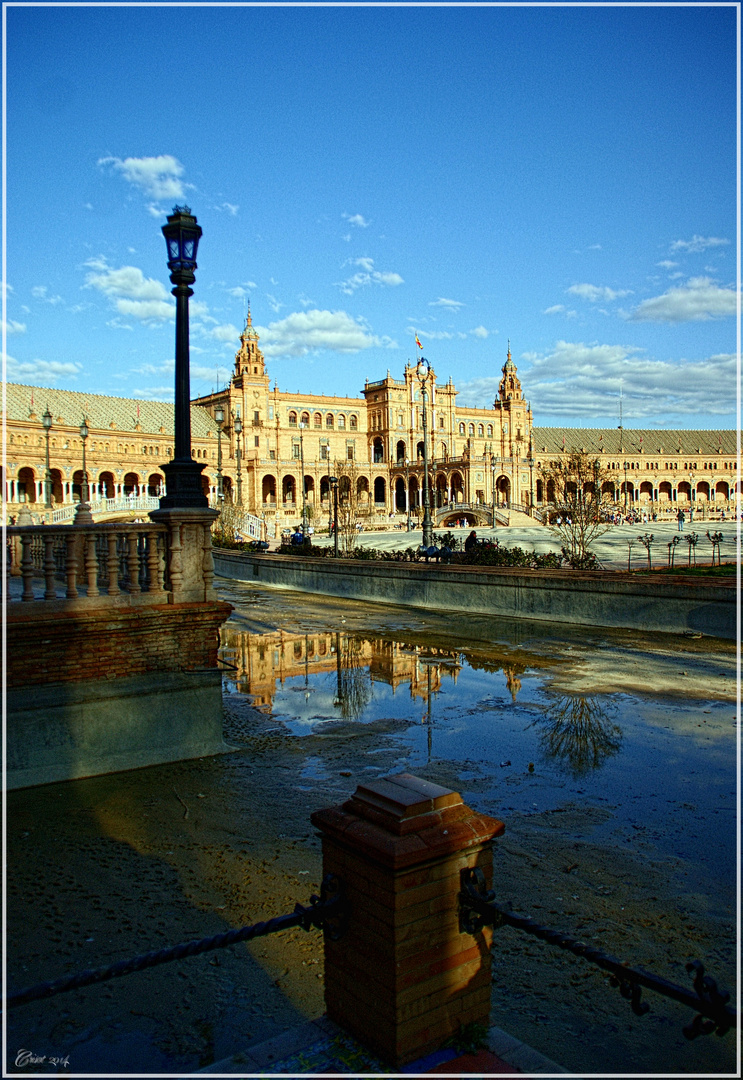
(563, 177)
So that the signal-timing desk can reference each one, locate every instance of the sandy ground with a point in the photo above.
(103, 869)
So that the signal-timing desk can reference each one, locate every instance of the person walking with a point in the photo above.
(680, 517)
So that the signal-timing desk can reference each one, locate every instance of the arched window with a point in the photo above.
(472, 429)
(329, 420)
(341, 422)
(480, 430)
(292, 419)
(490, 431)
(353, 423)
(318, 420)
(462, 429)
(305, 419)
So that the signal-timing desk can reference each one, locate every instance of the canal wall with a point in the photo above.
(667, 604)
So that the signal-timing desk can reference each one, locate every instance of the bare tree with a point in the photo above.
(576, 479)
(349, 505)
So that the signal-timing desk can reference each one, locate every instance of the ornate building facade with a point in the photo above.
(286, 445)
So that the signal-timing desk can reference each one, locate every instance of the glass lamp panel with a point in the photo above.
(173, 248)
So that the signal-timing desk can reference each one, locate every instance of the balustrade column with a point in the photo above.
(50, 592)
(91, 564)
(133, 564)
(71, 568)
(27, 566)
(113, 564)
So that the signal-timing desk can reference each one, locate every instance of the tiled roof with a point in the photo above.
(633, 441)
(69, 406)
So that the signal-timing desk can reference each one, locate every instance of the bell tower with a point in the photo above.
(509, 388)
(249, 361)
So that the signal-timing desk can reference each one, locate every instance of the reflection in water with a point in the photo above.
(354, 690)
(577, 733)
(346, 676)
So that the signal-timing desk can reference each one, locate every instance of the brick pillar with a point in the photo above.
(403, 978)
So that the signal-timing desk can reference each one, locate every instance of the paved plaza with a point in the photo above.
(612, 548)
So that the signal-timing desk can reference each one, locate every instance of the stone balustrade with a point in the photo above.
(97, 564)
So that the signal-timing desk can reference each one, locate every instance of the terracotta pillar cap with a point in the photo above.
(402, 820)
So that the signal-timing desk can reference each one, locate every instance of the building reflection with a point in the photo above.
(578, 734)
(263, 663)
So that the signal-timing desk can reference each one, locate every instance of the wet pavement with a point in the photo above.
(611, 756)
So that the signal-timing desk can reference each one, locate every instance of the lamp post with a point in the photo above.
(691, 494)
(494, 491)
(47, 422)
(219, 417)
(83, 515)
(238, 426)
(531, 473)
(182, 475)
(334, 485)
(407, 490)
(84, 490)
(304, 486)
(424, 372)
(625, 487)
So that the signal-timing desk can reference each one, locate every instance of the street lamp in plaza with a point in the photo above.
(219, 417)
(626, 466)
(493, 464)
(407, 489)
(531, 473)
(84, 490)
(183, 487)
(304, 486)
(424, 373)
(238, 426)
(334, 485)
(47, 422)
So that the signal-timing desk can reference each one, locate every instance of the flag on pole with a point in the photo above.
(417, 341)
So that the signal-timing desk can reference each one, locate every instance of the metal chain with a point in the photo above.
(477, 909)
(329, 911)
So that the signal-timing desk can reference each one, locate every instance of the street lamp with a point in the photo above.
(494, 492)
(407, 490)
(304, 486)
(625, 486)
(84, 490)
(219, 417)
(424, 372)
(691, 493)
(238, 426)
(531, 473)
(47, 422)
(182, 474)
(334, 485)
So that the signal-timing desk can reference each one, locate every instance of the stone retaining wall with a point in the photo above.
(669, 604)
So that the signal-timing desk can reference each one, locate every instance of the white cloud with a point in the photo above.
(241, 291)
(367, 275)
(698, 300)
(41, 371)
(127, 281)
(231, 208)
(132, 294)
(667, 264)
(698, 243)
(434, 335)
(356, 219)
(554, 310)
(594, 293)
(158, 177)
(307, 331)
(581, 381)
(41, 292)
(12, 327)
(480, 332)
(274, 304)
(453, 305)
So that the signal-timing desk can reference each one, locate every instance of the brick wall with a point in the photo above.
(76, 646)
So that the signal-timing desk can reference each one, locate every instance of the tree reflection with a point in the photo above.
(353, 685)
(577, 733)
